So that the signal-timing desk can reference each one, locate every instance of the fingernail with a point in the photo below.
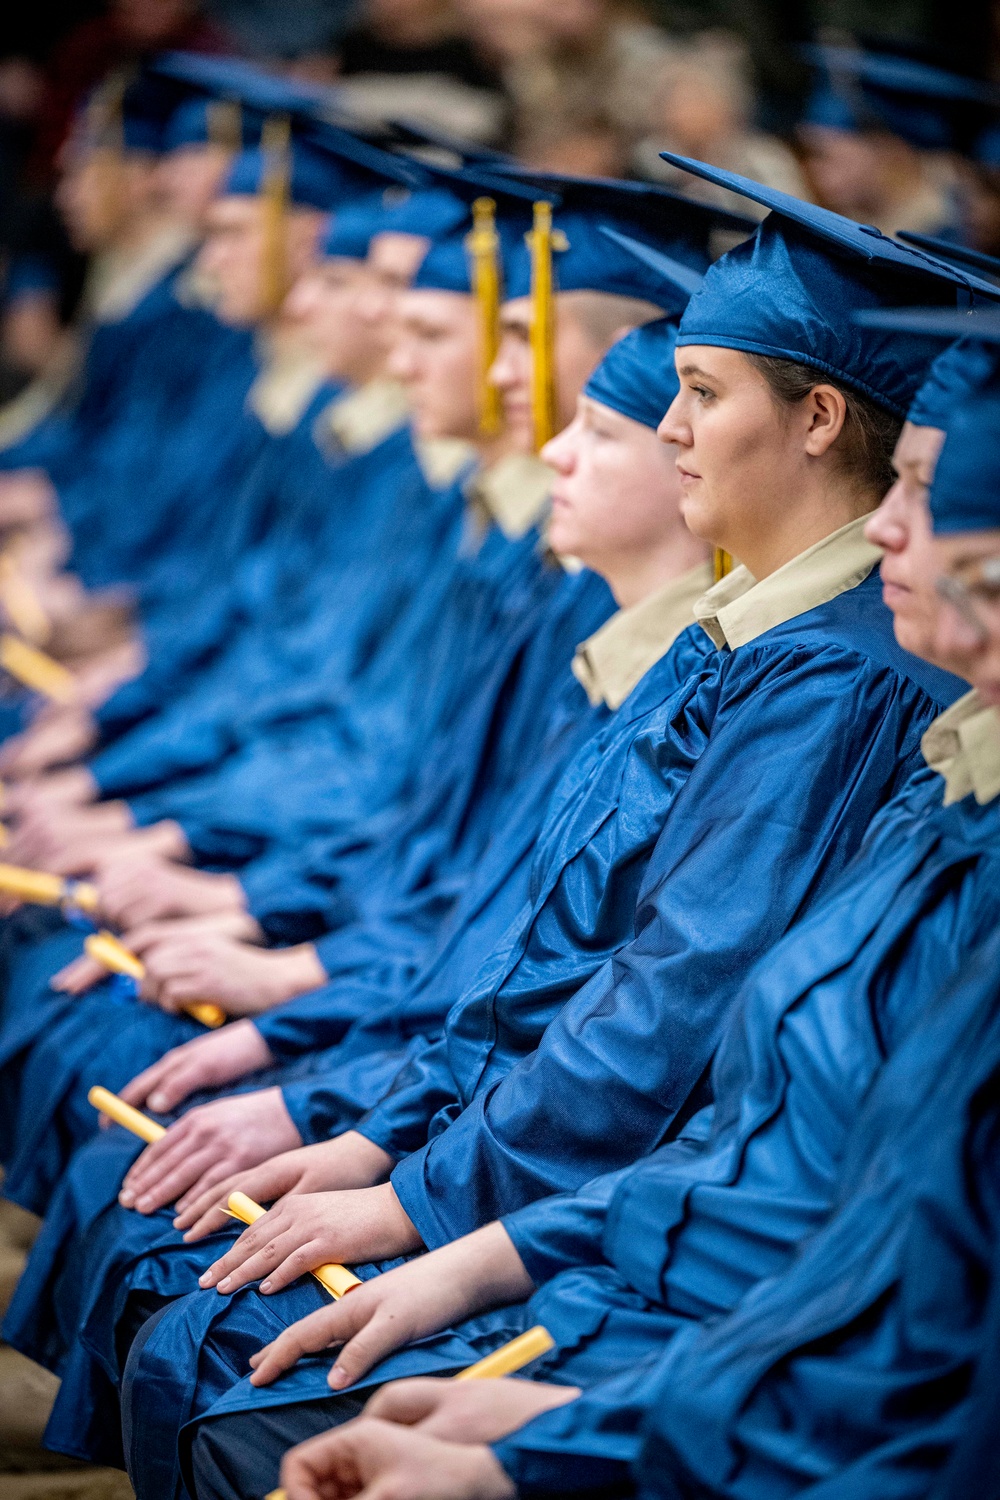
(337, 1378)
(158, 1101)
(265, 1286)
(224, 1284)
(144, 1204)
(126, 1197)
(205, 1279)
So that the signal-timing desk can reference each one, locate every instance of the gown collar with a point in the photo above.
(119, 279)
(609, 663)
(738, 609)
(963, 746)
(361, 419)
(513, 493)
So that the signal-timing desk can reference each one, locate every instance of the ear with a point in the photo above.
(825, 409)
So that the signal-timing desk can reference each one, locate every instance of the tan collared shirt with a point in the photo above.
(119, 279)
(441, 460)
(738, 609)
(359, 420)
(513, 492)
(963, 746)
(610, 663)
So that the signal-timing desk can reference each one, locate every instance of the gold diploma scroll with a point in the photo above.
(123, 1114)
(46, 890)
(335, 1279)
(531, 1344)
(41, 673)
(105, 949)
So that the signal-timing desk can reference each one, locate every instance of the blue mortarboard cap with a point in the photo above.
(637, 376)
(189, 125)
(955, 255)
(643, 212)
(791, 292)
(447, 266)
(230, 78)
(428, 212)
(147, 103)
(315, 179)
(857, 90)
(972, 355)
(965, 494)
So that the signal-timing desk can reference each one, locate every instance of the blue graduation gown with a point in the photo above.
(638, 1254)
(867, 703)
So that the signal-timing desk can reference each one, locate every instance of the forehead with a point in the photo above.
(516, 313)
(234, 210)
(429, 305)
(957, 548)
(393, 253)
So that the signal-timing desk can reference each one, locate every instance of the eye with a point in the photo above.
(703, 393)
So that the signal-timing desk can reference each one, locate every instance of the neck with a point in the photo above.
(491, 450)
(139, 230)
(634, 578)
(807, 524)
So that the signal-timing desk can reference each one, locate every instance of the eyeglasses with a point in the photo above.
(968, 588)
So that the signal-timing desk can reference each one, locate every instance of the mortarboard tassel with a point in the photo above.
(483, 245)
(722, 563)
(275, 145)
(543, 326)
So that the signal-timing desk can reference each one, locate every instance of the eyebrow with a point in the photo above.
(693, 370)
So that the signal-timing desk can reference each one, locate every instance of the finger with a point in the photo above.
(309, 1335)
(211, 1221)
(80, 975)
(143, 1085)
(407, 1402)
(168, 1188)
(268, 1262)
(208, 1187)
(151, 1165)
(248, 1244)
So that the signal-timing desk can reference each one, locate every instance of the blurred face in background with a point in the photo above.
(577, 352)
(514, 28)
(393, 261)
(325, 305)
(436, 356)
(856, 173)
(968, 635)
(232, 258)
(189, 179)
(104, 195)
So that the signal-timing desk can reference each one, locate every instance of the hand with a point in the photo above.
(137, 891)
(67, 840)
(306, 1230)
(210, 966)
(55, 738)
(349, 1161)
(26, 496)
(207, 1145)
(78, 976)
(428, 1294)
(382, 1461)
(209, 1061)
(466, 1411)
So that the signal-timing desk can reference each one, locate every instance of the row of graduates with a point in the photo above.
(649, 989)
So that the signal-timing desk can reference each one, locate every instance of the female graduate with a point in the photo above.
(811, 640)
(694, 1251)
(508, 630)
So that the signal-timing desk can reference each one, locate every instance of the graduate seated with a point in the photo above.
(799, 1280)
(488, 1121)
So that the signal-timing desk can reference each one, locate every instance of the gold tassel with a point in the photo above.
(483, 245)
(225, 124)
(543, 326)
(722, 563)
(274, 144)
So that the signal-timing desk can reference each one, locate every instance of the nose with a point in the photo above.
(558, 454)
(672, 429)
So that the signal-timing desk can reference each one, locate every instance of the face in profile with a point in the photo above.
(902, 528)
(435, 353)
(968, 631)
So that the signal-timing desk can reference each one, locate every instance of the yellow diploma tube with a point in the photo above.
(123, 1114)
(333, 1278)
(43, 889)
(529, 1345)
(35, 670)
(105, 948)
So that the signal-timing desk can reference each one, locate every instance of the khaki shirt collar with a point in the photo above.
(615, 658)
(963, 746)
(288, 380)
(513, 493)
(119, 279)
(363, 418)
(442, 460)
(738, 609)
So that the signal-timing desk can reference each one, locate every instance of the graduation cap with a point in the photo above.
(791, 292)
(857, 90)
(205, 122)
(965, 494)
(228, 78)
(956, 255)
(429, 213)
(972, 354)
(637, 376)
